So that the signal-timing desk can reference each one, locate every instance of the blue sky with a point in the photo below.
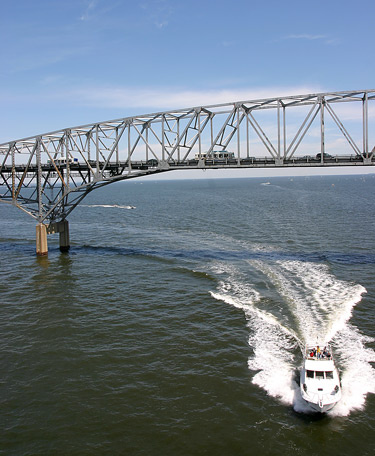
(74, 62)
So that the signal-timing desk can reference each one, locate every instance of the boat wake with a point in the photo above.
(117, 206)
(312, 305)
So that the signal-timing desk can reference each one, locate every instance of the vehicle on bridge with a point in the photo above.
(215, 155)
(152, 162)
(325, 156)
(63, 161)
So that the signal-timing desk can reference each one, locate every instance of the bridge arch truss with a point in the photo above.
(49, 174)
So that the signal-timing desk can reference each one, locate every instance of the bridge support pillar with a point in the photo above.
(62, 228)
(64, 236)
(41, 240)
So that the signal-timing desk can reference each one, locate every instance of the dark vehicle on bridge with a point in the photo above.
(325, 156)
(153, 163)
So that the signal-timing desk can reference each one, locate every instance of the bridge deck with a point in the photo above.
(250, 162)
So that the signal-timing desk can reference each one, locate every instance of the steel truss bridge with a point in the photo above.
(48, 175)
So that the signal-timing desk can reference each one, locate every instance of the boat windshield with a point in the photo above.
(320, 375)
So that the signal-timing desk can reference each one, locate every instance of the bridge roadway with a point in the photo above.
(121, 168)
(63, 166)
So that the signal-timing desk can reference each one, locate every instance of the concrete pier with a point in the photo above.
(64, 236)
(42, 230)
(41, 240)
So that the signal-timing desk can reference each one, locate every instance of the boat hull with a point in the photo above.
(316, 407)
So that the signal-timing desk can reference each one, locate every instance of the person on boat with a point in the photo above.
(318, 352)
(326, 353)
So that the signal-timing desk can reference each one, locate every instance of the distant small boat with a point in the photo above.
(265, 183)
(319, 378)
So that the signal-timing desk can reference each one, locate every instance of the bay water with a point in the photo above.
(174, 326)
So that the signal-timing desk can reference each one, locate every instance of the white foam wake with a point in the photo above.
(314, 305)
(118, 206)
(321, 303)
(357, 375)
(273, 343)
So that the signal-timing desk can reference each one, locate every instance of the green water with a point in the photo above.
(174, 324)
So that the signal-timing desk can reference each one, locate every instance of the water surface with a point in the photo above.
(175, 323)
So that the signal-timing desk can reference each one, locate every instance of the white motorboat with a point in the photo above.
(319, 379)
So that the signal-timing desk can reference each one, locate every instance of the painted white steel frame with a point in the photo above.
(48, 175)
